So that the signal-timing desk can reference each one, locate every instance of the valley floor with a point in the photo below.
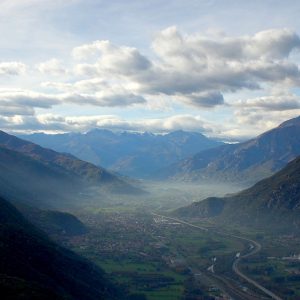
(154, 257)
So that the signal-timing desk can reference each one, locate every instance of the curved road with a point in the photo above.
(235, 266)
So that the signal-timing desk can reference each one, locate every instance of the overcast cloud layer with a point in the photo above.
(230, 86)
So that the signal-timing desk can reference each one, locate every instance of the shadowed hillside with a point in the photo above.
(31, 173)
(272, 202)
(32, 267)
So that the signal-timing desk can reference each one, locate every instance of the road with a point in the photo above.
(235, 267)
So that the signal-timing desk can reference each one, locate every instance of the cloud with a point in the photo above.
(183, 72)
(105, 98)
(52, 123)
(87, 86)
(112, 59)
(52, 67)
(25, 101)
(262, 120)
(189, 64)
(269, 44)
(271, 103)
(204, 99)
(12, 68)
(6, 110)
(24, 98)
(197, 69)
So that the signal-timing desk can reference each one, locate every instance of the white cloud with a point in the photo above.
(184, 71)
(87, 86)
(30, 100)
(24, 98)
(125, 61)
(271, 103)
(262, 120)
(191, 66)
(108, 98)
(12, 68)
(52, 67)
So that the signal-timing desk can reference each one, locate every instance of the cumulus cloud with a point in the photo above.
(197, 69)
(15, 97)
(261, 120)
(87, 86)
(105, 98)
(12, 68)
(25, 101)
(125, 61)
(186, 69)
(271, 103)
(52, 67)
(21, 102)
(200, 63)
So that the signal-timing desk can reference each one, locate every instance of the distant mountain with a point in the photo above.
(249, 161)
(270, 203)
(131, 154)
(32, 267)
(32, 173)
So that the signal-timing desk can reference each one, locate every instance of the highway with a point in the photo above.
(256, 247)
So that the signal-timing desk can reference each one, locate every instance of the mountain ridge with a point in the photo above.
(35, 171)
(275, 199)
(249, 161)
(129, 153)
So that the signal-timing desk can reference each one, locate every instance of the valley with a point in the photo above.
(158, 257)
(160, 239)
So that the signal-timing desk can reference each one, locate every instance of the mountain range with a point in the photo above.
(46, 178)
(271, 203)
(246, 162)
(132, 154)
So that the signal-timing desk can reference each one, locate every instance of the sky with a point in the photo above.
(226, 68)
